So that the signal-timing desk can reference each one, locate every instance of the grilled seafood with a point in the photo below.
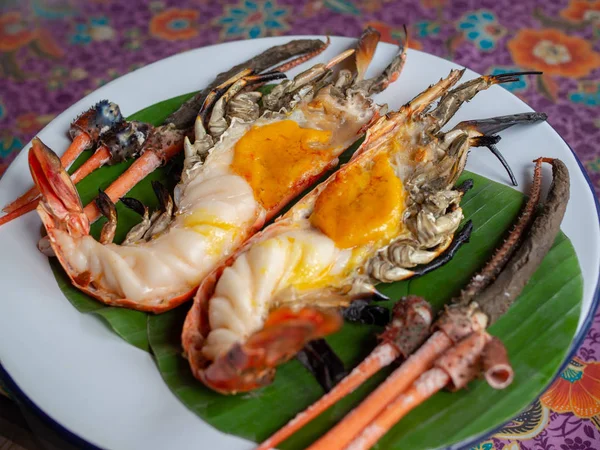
(276, 293)
(224, 196)
(456, 348)
(115, 139)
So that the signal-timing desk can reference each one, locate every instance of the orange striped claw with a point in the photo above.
(85, 131)
(114, 145)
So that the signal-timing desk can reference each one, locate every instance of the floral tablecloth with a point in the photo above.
(53, 52)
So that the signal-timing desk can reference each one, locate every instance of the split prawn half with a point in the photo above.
(452, 350)
(390, 213)
(237, 175)
(115, 139)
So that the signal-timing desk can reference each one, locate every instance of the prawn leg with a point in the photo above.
(114, 146)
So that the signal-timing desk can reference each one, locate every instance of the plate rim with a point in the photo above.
(17, 394)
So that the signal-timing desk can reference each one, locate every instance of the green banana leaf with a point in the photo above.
(537, 330)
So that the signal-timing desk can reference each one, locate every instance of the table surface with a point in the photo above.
(53, 52)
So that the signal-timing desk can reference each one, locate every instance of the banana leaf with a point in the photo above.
(537, 330)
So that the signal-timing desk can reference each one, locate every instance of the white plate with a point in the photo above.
(109, 393)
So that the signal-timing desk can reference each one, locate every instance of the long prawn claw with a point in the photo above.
(302, 58)
(87, 129)
(252, 364)
(496, 367)
(488, 129)
(113, 146)
(423, 101)
(453, 100)
(128, 142)
(60, 206)
(163, 144)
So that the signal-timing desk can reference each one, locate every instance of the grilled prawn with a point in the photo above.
(102, 126)
(391, 208)
(234, 180)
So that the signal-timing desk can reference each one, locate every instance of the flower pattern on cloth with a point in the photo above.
(253, 19)
(18, 33)
(97, 29)
(8, 145)
(576, 390)
(554, 53)
(338, 6)
(481, 28)
(588, 93)
(486, 445)
(529, 424)
(426, 28)
(14, 33)
(175, 24)
(52, 53)
(582, 11)
(434, 3)
(29, 123)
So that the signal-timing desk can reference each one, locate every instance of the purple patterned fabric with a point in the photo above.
(53, 52)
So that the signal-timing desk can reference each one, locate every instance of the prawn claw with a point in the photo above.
(489, 127)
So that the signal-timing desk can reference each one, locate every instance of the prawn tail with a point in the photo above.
(60, 206)
(252, 364)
